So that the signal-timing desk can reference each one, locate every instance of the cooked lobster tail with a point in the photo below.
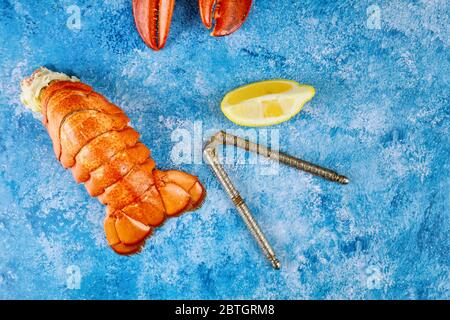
(92, 137)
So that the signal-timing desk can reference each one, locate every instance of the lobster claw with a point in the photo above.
(229, 15)
(153, 18)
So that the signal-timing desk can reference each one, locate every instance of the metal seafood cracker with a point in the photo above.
(223, 138)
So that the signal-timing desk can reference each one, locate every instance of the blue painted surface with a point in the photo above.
(381, 116)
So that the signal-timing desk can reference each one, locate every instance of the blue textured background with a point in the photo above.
(380, 116)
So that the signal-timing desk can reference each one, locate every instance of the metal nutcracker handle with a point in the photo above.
(223, 138)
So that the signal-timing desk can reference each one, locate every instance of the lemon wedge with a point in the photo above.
(266, 103)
